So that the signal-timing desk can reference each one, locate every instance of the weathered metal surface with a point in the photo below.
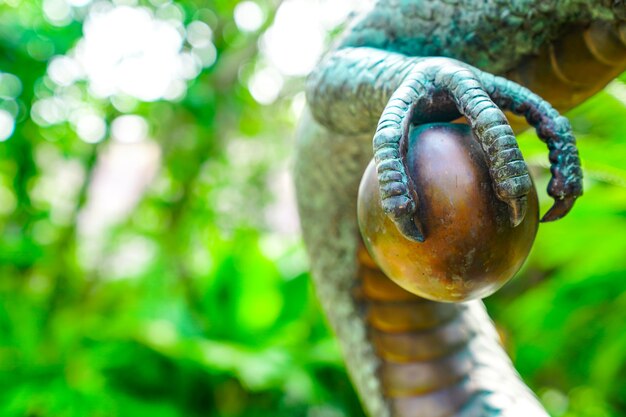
(563, 50)
(471, 248)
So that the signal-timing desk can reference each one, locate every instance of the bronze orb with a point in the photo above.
(471, 248)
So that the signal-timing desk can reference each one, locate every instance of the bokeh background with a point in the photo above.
(150, 258)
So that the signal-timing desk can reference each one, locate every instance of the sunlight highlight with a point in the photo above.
(90, 127)
(7, 125)
(294, 55)
(265, 85)
(129, 129)
(248, 16)
(126, 50)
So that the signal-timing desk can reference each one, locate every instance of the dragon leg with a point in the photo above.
(407, 356)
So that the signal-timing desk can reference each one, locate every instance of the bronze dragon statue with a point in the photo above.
(402, 62)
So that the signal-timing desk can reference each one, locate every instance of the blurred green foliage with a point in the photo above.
(155, 273)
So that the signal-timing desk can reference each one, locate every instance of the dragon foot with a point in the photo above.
(441, 89)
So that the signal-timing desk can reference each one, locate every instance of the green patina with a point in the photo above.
(412, 61)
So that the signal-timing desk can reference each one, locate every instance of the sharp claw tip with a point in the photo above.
(515, 221)
(410, 230)
(551, 217)
(419, 238)
(414, 234)
(559, 209)
(517, 210)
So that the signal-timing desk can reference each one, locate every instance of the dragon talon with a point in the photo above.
(560, 208)
(517, 210)
(552, 128)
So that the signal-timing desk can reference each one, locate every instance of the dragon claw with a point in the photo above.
(560, 208)
(481, 98)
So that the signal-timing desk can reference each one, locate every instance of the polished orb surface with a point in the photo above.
(471, 249)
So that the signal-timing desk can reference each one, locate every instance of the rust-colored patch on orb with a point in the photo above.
(471, 249)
